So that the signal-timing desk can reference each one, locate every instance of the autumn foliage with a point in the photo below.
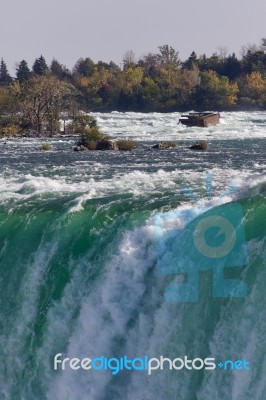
(156, 82)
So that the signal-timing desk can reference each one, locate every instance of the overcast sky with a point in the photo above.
(106, 29)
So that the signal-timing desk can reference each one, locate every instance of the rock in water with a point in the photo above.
(107, 144)
(164, 145)
(202, 145)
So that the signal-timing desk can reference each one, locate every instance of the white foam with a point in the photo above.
(104, 317)
(136, 183)
(156, 126)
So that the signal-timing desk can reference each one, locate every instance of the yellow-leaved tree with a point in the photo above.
(253, 90)
(216, 91)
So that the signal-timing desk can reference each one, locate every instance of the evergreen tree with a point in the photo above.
(254, 61)
(23, 72)
(114, 67)
(5, 78)
(215, 63)
(40, 67)
(191, 62)
(263, 44)
(59, 70)
(203, 62)
(102, 65)
(232, 67)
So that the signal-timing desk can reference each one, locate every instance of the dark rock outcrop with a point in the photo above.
(199, 146)
(164, 145)
(107, 144)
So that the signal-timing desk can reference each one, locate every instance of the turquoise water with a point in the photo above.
(79, 269)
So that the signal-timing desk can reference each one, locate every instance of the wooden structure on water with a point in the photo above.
(202, 119)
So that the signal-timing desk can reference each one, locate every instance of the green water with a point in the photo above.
(79, 271)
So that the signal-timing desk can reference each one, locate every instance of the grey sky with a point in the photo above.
(106, 29)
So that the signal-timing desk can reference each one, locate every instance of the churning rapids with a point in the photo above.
(80, 255)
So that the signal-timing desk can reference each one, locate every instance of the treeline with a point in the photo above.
(156, 82)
